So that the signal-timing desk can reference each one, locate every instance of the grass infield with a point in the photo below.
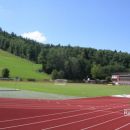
(71, 89)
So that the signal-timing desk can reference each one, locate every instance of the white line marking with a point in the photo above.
(58, 102)
(48, 105)
(122, 126)
(77, 121)
(31, 117)
(56, 119)
(102, 123)
(46, 120)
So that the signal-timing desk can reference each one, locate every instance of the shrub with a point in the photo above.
(54, 74)
(31, 79)
(5, 73)
(108, 78)
(57, 74)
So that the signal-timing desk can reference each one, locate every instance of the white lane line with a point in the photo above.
(102, 123)
(55, 120)
(68, 104)
(31, 117)
(45, 107)
(77, 121)
(35, 107)
(57, 102)
(122, 126)
(15, 104)
(42, 107)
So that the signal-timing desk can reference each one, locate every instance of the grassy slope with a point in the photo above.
(82, 90)
(20, 67)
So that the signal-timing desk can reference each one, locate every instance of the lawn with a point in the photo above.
(71, 89)
(20, 67)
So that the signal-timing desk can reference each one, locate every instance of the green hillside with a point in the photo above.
(20, 67)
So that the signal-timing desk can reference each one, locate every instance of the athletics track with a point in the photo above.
(102, 113)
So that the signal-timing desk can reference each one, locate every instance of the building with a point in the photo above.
(121, 78)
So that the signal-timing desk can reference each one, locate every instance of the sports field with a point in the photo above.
(90, 113)
(71, 89)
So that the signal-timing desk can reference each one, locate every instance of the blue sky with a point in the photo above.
(101, 24)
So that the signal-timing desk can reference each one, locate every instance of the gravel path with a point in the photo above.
(16, 93)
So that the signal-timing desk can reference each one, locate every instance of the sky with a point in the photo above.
(100, 24)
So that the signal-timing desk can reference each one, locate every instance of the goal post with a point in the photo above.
(60, 81)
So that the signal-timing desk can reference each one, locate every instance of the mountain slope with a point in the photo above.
(72, 63)
(20, 67)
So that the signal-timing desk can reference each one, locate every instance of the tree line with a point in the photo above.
(73, 63)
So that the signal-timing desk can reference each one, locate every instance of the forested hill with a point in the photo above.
(68, 62)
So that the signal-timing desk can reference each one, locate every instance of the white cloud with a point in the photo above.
(36, 35)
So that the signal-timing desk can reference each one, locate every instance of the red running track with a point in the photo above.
(103, 113)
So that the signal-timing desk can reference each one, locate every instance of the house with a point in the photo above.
(121, 78)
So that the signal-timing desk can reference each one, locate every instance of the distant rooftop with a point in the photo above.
(121, 73)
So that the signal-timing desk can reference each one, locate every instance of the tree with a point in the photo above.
(54, 74)
(97, 72)
(72, 69)
(55, 60)
(74, 63)
(42, 58)
(61, 74)
(5, 73)
(57, 75)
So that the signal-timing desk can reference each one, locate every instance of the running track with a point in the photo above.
(104, 113)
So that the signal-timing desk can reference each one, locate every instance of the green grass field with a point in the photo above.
(71, 89)
(20, 67)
